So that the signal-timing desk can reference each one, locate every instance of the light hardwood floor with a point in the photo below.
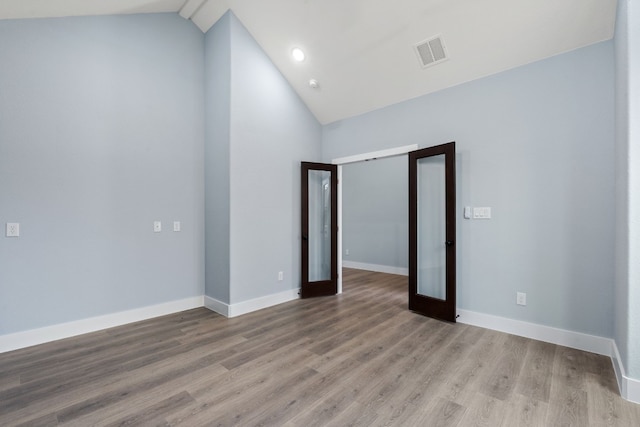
(360, 358)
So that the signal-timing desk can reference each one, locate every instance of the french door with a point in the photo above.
(319, 191)
(432, 232)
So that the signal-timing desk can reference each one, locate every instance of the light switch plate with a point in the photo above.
(13, 229)
(176, 226)
(482, 213)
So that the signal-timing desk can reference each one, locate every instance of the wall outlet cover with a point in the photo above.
(521, 298)
(13, 229)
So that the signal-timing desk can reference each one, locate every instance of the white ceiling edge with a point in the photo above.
(208, 13)
(366, 62)
(344, 115)
(361, 52)
(21, 9)
(190, 8)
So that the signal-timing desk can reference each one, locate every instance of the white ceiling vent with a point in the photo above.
(431, 52)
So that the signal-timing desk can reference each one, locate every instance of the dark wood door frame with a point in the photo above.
(325, 287)
(433, 307)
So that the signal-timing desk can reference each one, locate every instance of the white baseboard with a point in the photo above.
(629, 387)
(577, 340)
(70, 329)
(244, 307)
(376, 267)
(216, 306)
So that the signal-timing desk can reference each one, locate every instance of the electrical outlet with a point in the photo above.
(521, 298)
(280, 276)
(347, 252)
(13, 229)
(176, 226)
(157, 226)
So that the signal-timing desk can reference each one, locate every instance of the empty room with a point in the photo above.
(293, 213)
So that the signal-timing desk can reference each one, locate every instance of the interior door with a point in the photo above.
(319, 229)
(432, 232)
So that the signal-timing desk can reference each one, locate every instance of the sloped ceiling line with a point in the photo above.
(190, 8)
(361, 52)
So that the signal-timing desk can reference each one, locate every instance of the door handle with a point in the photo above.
(449, 243)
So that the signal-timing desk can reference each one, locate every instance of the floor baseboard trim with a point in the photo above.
(244, 307)
(216, 306)
(376, 267)
(629, 387)
(577, 340)
(33, 337)
(632, 390)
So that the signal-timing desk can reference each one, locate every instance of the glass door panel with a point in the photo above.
(319, 229)
(432, 256)
(319, 225)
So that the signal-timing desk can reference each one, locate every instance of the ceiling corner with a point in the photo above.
(204, 13)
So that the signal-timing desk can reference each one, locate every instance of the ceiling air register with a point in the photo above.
(431, 52)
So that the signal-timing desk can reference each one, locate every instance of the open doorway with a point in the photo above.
(375, 220)
(375, 215)
(373, 231)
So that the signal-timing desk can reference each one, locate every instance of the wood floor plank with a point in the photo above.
(360, 346)
(213, 395)
(90, 405)
(9, 381)
(256, 401)
(463, 386)
(537, 371)
(523, 411)
(153, 415)
(98, 385)
(359, 358)
(568, 406)
(439, 413)
(604, 408)
(484, 411)
(129, 407)
(354, 415)
(47, 420)
(374, 364)
(568, 367)
(82, 365)
(504, 378)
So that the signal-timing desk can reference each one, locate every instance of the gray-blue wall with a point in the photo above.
(217, 159)
(375, 201)
(536, 144)
(103, 123)
(627, 301)
(101, 133)
(270, 131)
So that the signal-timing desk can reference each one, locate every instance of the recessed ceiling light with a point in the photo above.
(297, 54)
(314, 83)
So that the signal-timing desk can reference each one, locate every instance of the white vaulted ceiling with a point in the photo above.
(361, 51)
